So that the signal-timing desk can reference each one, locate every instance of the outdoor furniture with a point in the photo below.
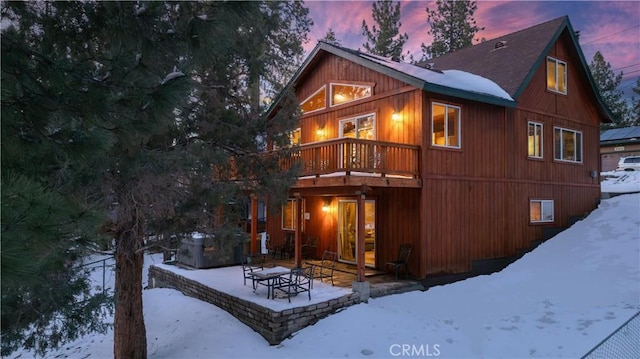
(403, 259)
(288, 247)
(268, 277)
(251, 263)
(324, 268)
(299, 280)
(309, 248)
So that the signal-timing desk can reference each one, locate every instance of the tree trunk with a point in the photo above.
(130, 337)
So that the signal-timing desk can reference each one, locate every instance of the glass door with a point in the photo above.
(348, 231)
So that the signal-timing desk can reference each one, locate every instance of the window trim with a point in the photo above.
(355, 119)
(294, 213)
(331, 104)
(446, 106)
(555, 150)
(542, 213)
(323, 87)
(566, 84)
(541, 135)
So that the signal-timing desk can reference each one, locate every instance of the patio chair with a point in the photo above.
(309, 248)
(402, 261)
(251, 263)
(326, 266)
(288, 247)
(299, 280)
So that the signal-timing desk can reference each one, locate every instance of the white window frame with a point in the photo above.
(545, 217)
(323, 87)
(446, 124)
(331, 104)
(539, 132)
(558, 154)
(555, 88)
(294, 215)
(357, 128)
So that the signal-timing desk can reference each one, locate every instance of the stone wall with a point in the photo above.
(274, 326)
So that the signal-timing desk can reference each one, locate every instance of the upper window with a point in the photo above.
(445, 125)
(556, 75)
(567, 145)
(343, 93)
(315, 102)
(541, 211)
(534, 138)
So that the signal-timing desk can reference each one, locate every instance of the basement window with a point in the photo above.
(541, 211)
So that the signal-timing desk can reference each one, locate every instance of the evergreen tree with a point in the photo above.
(607, 83)
(634, 111)
(452, 26)
(112, 83)
(330, 38)
(386, 40)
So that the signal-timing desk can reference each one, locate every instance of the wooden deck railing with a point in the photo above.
(354, 155)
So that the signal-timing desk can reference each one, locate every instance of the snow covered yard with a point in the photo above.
(560, 300)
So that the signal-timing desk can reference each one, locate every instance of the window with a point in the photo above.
(363, 127)
(556, 75)
(534, 137)
(567, 145)
(290, 214)
(445, 125)
(314, 102)
(541, 211)
(343, 93)
(294, 139)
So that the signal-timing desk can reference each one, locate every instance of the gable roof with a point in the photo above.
(455, 83)
(511, 60)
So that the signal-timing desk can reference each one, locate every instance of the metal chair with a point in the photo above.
(299, 280)
(402, 261)
(251, 263)
(309, 248)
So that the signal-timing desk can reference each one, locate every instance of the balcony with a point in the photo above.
(340, 161)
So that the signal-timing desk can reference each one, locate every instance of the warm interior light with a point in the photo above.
(320, 132)
(395, 116)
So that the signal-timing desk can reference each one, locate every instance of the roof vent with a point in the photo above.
(500, 44)
(429, 65)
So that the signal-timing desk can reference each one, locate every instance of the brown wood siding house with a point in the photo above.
(423, 155)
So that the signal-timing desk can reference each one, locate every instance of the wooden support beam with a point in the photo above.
(298, 236)
(254, 224)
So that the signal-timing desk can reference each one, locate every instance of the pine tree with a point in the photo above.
(452, 26)
(634, 111)
(159, 100)
(386, 40)
(607, 83)
(330, 38)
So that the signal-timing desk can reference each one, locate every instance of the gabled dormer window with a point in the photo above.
(343, 93)
(556, 75)
(315, 102)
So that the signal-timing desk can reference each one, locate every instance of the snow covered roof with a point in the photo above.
(456, 79)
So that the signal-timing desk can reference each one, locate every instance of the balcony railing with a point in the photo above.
(353, 155)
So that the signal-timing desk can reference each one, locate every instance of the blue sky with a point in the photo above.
(611, 27)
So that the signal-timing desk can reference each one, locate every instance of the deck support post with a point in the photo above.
(298, 231)
(360, 246)
(254, 223)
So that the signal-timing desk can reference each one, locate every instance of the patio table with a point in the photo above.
(269, 278)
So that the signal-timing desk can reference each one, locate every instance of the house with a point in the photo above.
(616, 143)
(468, 158)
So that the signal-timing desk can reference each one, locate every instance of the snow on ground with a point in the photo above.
(620, 181)
(560, 300)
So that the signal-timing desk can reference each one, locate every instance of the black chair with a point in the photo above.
(299, 280)
(251, 263)
(326, 266)
(402, 261)
(288, 247)
(309, 248)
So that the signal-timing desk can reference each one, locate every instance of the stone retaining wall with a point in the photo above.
(274, 326)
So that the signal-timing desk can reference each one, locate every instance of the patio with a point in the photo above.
(275, 319)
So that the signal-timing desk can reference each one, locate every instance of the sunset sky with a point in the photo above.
(611, 27)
